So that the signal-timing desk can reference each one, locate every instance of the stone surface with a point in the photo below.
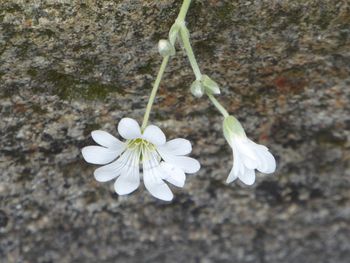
(69, 67)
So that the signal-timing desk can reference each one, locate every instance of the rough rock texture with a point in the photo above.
(69, 67)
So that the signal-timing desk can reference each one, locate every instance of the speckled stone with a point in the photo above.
(69, 67)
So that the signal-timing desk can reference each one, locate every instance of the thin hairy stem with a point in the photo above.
(217, 104)
(191, 57)
(180, 19)
(154, 92)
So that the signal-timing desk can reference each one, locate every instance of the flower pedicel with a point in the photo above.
(166, 161)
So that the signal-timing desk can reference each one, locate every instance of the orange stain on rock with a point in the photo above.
(289, 85)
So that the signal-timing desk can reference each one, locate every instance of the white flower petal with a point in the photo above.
(129, 129)
(187, 164)
(152, 178)
(267, 163)
(239, 170)
(246, 147)
(99, 155)
(107, 140)
(156, 186)
(112, 170)
(231, 177)
(238, 166)
(263, 147)
(173, 174)
(248, 177)
(249, 163)
(129, 180)
(177, 146)
(154, 135)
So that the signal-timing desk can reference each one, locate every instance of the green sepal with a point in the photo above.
(210, 85)
(232, 127)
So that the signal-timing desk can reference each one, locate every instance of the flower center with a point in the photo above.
(141, 147)
(141, 144)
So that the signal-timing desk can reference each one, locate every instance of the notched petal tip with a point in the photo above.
(248, 178)
(152, 178)
(172, 174)
(188, 164)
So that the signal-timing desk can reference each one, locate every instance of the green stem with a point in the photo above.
(217, 104)
(189, 51)
(183, 11)
(191, 57)
(154, 92)
(181, 19)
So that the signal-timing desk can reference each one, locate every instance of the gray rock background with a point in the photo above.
(69, 67)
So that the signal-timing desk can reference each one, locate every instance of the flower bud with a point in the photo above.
(165, 48)
(197, 89)
(210, 85)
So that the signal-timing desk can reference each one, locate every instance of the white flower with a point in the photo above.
(161, 160)
(247, 155)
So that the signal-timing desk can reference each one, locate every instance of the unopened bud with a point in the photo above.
(197, 89)
(165, 48)
(210, 85)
